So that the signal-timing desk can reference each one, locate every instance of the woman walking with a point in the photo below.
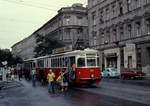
(50, 78)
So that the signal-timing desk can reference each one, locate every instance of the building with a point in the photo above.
(70, 25)
(120, 30)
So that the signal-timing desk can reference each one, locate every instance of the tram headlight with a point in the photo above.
(92, 75)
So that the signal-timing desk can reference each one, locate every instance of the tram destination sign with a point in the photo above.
(63, 49)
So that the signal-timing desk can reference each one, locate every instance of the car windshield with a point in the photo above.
(113, 69)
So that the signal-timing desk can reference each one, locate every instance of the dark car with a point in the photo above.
(132, 74)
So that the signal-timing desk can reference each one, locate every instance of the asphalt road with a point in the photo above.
(100, 95)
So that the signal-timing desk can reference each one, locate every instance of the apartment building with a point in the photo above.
(70, 26)
(120, 30)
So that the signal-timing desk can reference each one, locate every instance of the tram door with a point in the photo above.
(71, 72)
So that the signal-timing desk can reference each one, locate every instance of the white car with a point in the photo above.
(110, 72)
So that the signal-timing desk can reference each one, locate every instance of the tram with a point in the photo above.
(82, 65)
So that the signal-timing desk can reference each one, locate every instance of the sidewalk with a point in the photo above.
(9, 84)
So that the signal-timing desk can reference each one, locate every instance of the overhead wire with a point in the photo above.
(31, 5)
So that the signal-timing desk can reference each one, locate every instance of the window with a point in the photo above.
(121, 33)
(128, 5)
(148, 26)
(130, 30)
(94, 18)
(139, 61)
(113, 10)
(138, 3)
(120, 8)
(101, 16)
(108, 37)
(91, 61)
(40, 63)
(81, 62)
(102, 38)
(115, 34)
(138, 29)
(107, 13)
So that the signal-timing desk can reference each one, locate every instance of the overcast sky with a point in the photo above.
(20, 18)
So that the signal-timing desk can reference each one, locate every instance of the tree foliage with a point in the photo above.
(6, 55)
(45, 45)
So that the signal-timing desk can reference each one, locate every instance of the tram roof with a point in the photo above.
(71, 53)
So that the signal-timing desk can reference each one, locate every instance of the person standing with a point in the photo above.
(33, 77)
(12, 73)
(64, 82)
(19, 74)
(50, 78)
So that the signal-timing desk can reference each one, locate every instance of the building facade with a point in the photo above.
(120, 30)
(70, 26)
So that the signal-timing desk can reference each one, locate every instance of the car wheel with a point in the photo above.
(122, 77)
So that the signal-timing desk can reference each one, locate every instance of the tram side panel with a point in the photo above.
(87, 75)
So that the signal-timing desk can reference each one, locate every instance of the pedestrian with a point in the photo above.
(51, 78)
(64, 82)
(19, 74)
(12, 73)
(33, 77)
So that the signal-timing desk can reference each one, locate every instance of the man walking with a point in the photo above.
(50, 78)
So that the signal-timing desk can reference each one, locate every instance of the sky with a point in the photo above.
(20, 18)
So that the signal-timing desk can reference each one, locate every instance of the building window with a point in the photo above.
(128, 5)
(79, 20)
(120, 8)
(101, 16)
(138, 28)
(102, 38)
(138, 3)
(108, 37)
(139, 62)
(148, 26)
(113, 10)
(115, 34)
(121, 33)
(122, 57)
(107, 14)
(94, 18)
(130, 30)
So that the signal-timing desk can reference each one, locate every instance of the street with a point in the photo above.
(106, 93)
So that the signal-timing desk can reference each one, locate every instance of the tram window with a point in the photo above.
(81, 62)
(40, 63)
(91, 61)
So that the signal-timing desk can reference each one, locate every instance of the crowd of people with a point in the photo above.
(61, 80)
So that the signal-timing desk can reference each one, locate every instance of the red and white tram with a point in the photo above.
(85, 63)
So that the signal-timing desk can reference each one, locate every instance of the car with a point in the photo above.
(132, 74)
(110, 72)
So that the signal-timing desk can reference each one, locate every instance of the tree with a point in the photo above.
(45, 45)
(6, 55)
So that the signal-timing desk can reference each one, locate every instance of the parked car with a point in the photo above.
(110, 72)
(132, 74)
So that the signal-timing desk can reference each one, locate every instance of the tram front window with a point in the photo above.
(81, 62)
(91, 62)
